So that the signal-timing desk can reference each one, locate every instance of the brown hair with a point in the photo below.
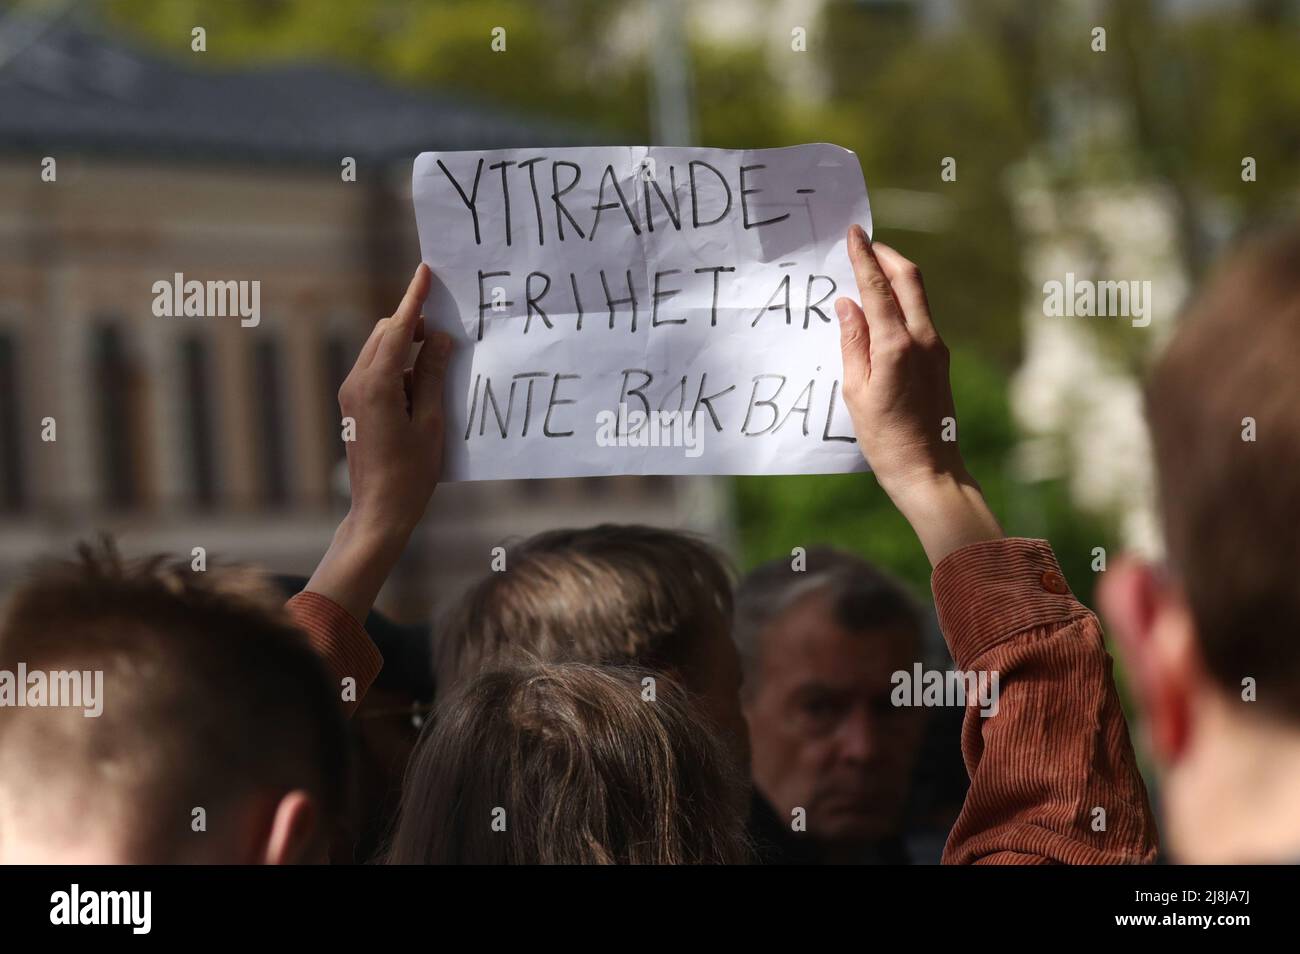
(209, 695)
(580, 767)
(1231, 506)
(604, 594)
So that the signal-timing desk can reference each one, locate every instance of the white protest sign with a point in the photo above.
(641, 310)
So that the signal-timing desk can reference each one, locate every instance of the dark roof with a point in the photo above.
(64, 86)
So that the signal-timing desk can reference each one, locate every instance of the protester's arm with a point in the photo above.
(394, 462)
(1053, 776)
(342, 644)
(1058, 747)
(897, 392)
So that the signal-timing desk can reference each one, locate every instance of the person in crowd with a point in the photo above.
(833, 756)
(609, 594)
(1209, 634)
(1054, 756)
(1002, 614)
(185, 719)
(220, 734)
(570, 763)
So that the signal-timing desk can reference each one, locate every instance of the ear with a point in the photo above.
(1147, 615)
(294, 831)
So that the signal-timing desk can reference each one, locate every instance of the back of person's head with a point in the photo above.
(605, 594)
(184, 719)
(609, 594)
(1209, 638)
(1224, 408)
(569, 763)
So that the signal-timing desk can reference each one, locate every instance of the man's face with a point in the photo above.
(824, 734)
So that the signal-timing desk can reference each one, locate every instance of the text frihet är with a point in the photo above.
(794, 299)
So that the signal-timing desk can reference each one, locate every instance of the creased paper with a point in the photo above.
(641, 310)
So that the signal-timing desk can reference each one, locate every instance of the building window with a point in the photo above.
(13, 492)
(196, 371)
(117, 402)
(269, 399)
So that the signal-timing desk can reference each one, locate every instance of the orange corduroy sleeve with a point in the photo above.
(1058, 748)
(340, 641)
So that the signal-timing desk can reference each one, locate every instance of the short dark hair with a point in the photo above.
(585, 768)
(604, 594)
(863, 597)
(210, 694)
(1230, 507)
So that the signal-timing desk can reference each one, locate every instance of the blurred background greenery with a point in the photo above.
(1157, 123)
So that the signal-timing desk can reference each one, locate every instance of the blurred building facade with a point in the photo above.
(120, 169)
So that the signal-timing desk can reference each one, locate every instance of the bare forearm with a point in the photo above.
(396, 456)
(358, 561)
(947, 512)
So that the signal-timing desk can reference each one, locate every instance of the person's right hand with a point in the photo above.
(897, 390)
(895, 371)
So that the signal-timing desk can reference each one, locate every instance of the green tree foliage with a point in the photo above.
(560, 61)
(1179, 98)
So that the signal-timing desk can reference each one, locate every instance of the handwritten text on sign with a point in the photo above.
(641, 310)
